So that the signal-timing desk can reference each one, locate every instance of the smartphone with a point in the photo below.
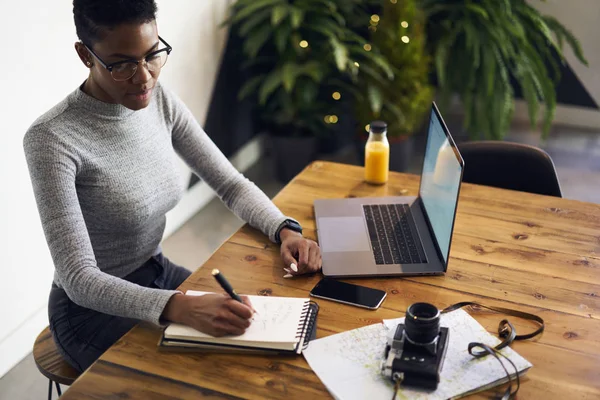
(348, 293)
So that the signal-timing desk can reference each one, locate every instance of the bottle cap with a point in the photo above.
(378, 126)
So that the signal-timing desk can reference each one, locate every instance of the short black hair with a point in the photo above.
(91, 16)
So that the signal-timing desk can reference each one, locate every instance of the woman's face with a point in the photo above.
(124, 42)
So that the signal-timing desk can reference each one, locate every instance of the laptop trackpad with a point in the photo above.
(339, 234)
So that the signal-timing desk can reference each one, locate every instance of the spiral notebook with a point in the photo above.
(281, 324)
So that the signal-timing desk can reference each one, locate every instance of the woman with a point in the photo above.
(104, 171)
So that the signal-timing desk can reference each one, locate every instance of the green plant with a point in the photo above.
(298, 53)
(403, 101)
(481, 47)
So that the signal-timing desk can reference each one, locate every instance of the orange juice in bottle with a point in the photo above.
(377, 154)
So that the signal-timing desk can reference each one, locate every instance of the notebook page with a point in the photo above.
(277, 321)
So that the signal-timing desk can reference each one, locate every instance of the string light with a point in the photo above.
(405, 39)
(303, 44)
(336, 95)
(404, 24)
(375, 18)
(368, 127)
(331, 119)
(356, 63)
(367, 47)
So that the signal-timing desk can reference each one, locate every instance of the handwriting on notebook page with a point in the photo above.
(277, 318)
(272, 314)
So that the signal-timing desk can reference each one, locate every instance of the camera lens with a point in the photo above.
(422, 322)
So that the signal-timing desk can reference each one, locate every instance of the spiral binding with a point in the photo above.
(309, 320)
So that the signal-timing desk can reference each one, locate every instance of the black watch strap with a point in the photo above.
(290, 224)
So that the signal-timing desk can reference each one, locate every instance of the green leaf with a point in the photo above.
(308, 92)
(271, 83)
(489, 68)
(250, 87)
(254, 43)
(473, 43)
(249, 9)
(508, 8)
(258, 18)
(282, 36)
(351, 36)
(338, 17)
(289, 73)
(370, 72)
(351, 89)
(400, 117)
(313, 69)
(478, 10)
(329, 4)
(563, 33)
(502, 69)
(508, 105)
(441, 57)
(251, 62)
(530, 95)
(382, 63)
(340, 53)
(442, 53)
(517, 30)
(375, 99)
(278, 14)
(328, 8)
(297, 17)
(432, 10)
(324, 31)
(323, 24)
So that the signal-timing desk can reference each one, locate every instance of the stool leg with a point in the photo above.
(49, 389)
(58, 389)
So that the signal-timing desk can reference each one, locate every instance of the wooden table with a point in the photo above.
(510, 249)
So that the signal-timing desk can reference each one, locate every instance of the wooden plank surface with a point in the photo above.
(534, 253)
(50, 362)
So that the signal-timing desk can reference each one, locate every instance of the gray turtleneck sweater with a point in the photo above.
(104, 177)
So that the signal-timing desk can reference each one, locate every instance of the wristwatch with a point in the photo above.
(289, 224)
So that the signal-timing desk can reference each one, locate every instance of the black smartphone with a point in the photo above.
(348, 293)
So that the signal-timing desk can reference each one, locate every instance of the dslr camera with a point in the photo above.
(414, 356)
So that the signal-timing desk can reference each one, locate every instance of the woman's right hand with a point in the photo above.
(215, 314)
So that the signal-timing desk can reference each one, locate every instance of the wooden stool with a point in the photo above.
(51, 364)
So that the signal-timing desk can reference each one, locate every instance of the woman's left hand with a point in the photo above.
(300, 255)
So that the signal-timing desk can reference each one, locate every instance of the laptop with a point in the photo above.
(391, 236)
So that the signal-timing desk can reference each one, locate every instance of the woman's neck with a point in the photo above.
(91, 88)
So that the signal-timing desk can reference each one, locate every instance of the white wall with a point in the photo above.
(38, 68)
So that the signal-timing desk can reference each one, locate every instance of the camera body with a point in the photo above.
(416, 353)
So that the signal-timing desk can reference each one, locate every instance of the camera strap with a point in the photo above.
(506, 330)
(507, 333)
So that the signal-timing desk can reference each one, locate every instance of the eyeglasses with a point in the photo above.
(126, 69)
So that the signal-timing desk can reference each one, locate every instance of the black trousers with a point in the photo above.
(82, 335)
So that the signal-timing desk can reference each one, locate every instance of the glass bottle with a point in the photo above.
(377, 154)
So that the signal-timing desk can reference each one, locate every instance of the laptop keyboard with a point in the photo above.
(393, 234)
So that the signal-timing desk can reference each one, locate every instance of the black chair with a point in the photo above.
(510, 166)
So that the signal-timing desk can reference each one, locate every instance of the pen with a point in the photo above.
(227, 286)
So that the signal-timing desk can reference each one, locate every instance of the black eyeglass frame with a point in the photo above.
(111, 66)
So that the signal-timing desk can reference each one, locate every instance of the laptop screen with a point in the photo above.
(440, 182)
